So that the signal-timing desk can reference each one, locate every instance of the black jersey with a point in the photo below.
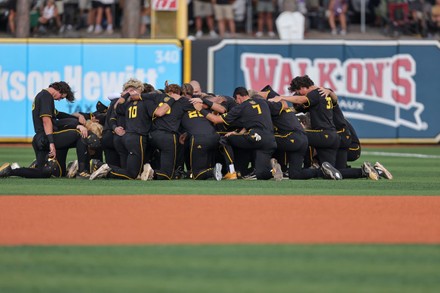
(229, 103)
(284, 120)
(171, 120)
(43, 106)
(138, 116)
(251, 114)
(338, 118)
(154, 96)
(321, 111)
(354, 136)
(193, 122)
(111, 117)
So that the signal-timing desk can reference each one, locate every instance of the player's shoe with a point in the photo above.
(230, 176)
(72, 169)
(101, 172)
(250, 176)
(15, 165)
(369, 172)
(330, 172)
(179, 173)
(5, 170)
(277, 173)
(95, 164)
(147, 173)
(82, 175)
(217, 171)
(382, 171)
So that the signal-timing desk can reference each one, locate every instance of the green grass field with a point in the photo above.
(230, 268)
(414, 175)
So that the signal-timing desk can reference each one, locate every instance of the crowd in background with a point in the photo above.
(226, 18)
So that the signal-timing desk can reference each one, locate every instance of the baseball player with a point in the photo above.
(253, 115)
(202, 139)
(137, 113)
(52, 137)
(322, 136)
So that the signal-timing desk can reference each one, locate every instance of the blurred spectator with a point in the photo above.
(303, 7)
(337, 11)
(145, 17)
(12, 10)
(91, 16)
(265, 10)
(103, 6)
(83, 14)
(224, 14)
(434, 23)
(419, 16)
(314, 13)
(49, 16)
(381, 13)
(70, 13)
(203, 9)
(372, 9)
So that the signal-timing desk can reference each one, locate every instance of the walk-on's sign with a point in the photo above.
(387, 89)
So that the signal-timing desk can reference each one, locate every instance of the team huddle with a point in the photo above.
(180, 132)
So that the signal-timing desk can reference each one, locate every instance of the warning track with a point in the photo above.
(176, 219)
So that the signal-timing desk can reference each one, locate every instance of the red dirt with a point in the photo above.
(175, 219)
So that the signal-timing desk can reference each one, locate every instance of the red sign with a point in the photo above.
(165, 5)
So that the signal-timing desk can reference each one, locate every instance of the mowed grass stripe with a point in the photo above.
(219, 268)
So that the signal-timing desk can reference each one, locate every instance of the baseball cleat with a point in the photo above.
(95, 164)
(72, 169)
(369, 171)
(15, 165)
(83, 175)
(217, 172)
(147, 173)
(230, 176)
(277, 173)
(250, 176)
(383, 172)
(5, 170)
(101, 172)
(330, 172)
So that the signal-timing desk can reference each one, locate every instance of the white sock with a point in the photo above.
(231, 168)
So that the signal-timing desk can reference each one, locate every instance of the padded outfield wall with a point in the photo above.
(94, 69)
(389, 90)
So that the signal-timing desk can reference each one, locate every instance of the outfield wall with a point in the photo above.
(387, 89)
(94, 69)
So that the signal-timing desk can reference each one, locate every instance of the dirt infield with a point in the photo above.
(172, 219)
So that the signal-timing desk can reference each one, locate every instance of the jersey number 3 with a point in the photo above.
(329, 103)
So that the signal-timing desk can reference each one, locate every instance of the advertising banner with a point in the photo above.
(386, 89)
(94, 70)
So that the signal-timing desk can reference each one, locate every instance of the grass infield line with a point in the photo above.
(176, 219)
(401, 155)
